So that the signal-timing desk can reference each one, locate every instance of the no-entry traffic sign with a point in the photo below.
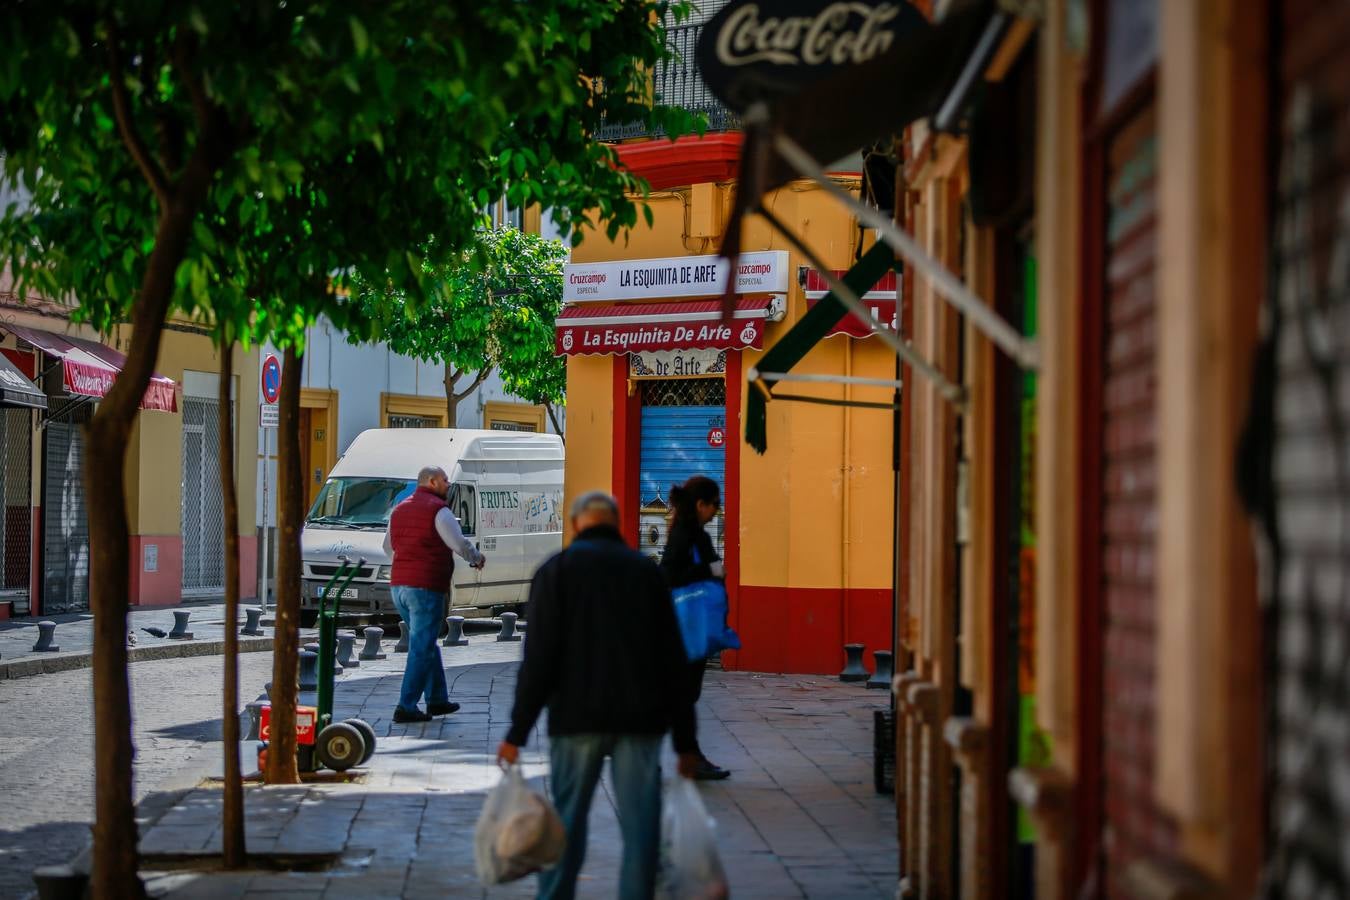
(271, 379)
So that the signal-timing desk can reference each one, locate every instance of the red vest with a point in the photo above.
(421, 559)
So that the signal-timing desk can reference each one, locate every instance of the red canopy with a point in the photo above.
(616, 328)
(89, 367)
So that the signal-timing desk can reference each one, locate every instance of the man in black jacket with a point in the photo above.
(604, 653)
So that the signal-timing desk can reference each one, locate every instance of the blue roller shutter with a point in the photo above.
(675, 446)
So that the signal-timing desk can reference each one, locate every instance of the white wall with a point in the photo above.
(360, 373)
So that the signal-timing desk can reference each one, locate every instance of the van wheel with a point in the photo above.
(309, 618)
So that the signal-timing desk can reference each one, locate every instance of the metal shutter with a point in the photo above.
(677, 420)
(1129, 503)
(203, 516)
(16, 485)
(65, 550)
(1306, 489)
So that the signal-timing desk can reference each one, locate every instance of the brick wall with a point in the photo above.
(1133, 826)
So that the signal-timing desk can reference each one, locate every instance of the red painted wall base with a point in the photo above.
(803, 631)
(164, 587)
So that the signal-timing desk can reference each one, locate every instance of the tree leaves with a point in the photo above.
(355, 136)
(494, 305)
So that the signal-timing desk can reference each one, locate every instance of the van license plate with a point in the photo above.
(347, 593)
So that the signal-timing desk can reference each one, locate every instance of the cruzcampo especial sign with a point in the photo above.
(675, 277)
(765, 49)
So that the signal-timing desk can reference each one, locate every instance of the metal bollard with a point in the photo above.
(854, 670)
(402, 645)
(62, 882)
(508, 632)
(313, 647)
(372, 648)
(254, 711)
(46, 632)
(346, 641)
(881, 678)
(455, 636)
(180, 624)
(309, 670)
(251, 627)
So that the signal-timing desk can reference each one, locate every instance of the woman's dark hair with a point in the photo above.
(684, 498)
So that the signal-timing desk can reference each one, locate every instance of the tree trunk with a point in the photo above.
(281, 761)
(553, 417)
(451, 398)
(235, 852)
(113, 875)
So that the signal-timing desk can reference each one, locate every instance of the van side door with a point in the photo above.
(500, 524)
(463, 501)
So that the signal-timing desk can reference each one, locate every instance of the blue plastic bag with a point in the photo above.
(701, 609)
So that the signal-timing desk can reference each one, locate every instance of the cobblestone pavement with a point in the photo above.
(798, 818)
(46, 777)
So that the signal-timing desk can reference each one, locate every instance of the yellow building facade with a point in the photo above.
(172, 469)
(806, 528)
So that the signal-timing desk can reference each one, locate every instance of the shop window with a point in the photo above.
(400, 421)
(502, 416)
(410, 411)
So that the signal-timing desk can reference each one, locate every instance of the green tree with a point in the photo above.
(143, 132)
(491, 308)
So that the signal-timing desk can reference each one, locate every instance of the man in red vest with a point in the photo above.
(422, 539)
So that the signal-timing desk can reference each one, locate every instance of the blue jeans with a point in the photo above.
(424, 673)
(576, 760)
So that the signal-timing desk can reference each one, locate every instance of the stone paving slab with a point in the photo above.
(75, 635)
(798, 818)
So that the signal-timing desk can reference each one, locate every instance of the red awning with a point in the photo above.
(617, 328)
(879, 300)
(89, 368)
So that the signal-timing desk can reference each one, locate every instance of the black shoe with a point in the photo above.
(706, 771)
(407, 716)
(442, 709)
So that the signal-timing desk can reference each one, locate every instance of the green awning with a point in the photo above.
(808, 331)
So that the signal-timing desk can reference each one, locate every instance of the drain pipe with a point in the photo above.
(846, 531)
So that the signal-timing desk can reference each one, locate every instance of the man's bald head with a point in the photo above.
(594, 508)
(434, 478)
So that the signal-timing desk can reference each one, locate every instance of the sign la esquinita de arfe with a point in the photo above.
(682, 276)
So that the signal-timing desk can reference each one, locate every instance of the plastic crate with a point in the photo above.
(883, 751)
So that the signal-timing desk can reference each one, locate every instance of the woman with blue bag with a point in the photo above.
(697, 580)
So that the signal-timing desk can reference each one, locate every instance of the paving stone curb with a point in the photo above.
(65, 662)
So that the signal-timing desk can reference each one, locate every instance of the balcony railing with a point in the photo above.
(678, 82)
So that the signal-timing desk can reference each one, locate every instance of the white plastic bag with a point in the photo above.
(518, 832)
(690, 866)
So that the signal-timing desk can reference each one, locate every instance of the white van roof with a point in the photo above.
(402, 452)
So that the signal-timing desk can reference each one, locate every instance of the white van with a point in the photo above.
(506, 489)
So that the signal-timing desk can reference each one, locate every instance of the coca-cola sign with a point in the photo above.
(763, 49)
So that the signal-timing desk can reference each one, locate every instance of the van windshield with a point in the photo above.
(358, 502)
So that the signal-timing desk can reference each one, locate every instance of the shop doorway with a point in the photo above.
(16, 483)
(203, 514)
(65, 547)
(318, 439)
(683, 433)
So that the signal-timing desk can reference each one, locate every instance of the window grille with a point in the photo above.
(684, 392)
(405, 421)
